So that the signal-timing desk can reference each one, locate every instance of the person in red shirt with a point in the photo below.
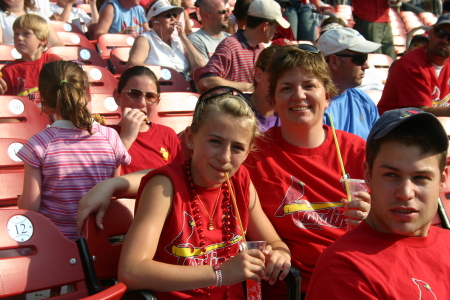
(393, 253)
(372, 21)
(31, 33)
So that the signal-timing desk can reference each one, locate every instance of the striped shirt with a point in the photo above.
(72, 161)
(234, 59)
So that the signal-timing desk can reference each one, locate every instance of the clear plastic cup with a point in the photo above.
(253, 287)
(355, 186)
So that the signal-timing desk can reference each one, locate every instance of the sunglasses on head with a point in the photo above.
(441, 33)
(308, 48)
(169, 15)
(357, 59)
(219, 91)
(137, 94)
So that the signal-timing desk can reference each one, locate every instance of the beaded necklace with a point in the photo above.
(226, 212)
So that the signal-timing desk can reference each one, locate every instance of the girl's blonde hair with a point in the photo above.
(232, 105)
(63, 86)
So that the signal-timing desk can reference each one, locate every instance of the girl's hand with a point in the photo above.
(248, 264)
(132, 119)
(276, 262)
(95, 201)
(357, 210)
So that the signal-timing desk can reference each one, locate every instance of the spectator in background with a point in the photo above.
(264, 112)
(121, 16)
(66, 12)
(31, 34)
(150, 145)
(214, 20)
(301, 18)
(160, 46)
(416, 42)
(420, 78)
(372, 21)
(345, 51)
(405, 171)
(232, 63)
(239, 17)
(52, 186)
(11, 10)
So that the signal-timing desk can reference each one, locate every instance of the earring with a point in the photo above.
(189, 145)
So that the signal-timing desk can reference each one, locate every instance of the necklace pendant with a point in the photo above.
(210, 226)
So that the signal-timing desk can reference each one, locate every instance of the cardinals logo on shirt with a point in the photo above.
(425, 291)
(308, 215)
(190, 254)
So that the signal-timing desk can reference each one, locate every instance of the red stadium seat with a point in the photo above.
(170, 80)
(105, 245)
(102, 80)
(105, 106)
(61, 26)
(109, 41)
(75, 39)
(39, 256)
(82, 55)
(8, 53)
(176, 110)
(119, 58)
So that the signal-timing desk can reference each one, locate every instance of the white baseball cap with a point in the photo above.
(338, 39)
(268, 9)
(161, 6)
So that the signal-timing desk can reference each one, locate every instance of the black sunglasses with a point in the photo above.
(219, 91)
(168, 15)
(357, 59)
(308, 47)
(441, 33)
(137, 94)
(223, 11)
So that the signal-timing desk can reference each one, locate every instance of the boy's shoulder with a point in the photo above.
(45, 58)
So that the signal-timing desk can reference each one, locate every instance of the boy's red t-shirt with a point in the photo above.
(22, 77)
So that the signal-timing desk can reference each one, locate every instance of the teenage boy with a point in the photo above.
(21, 76)
(395, 253)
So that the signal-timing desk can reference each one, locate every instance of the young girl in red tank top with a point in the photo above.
(184, 240)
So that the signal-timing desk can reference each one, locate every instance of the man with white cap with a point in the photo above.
(232, 63)
(345, 51)
(395, 252)
(421, 78)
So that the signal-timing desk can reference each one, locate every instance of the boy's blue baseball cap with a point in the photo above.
(390, 119)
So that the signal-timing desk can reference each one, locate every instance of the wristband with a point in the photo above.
(218, 272)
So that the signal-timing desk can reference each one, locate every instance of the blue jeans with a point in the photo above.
(302, 21)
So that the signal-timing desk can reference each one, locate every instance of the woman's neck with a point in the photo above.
(303, 136)
(17, 8)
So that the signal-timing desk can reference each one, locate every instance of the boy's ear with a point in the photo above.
(43, 43)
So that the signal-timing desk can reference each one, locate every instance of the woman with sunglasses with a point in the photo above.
(184, 240)
(150, 145)
(297, 171)
(166, 44)
(121, 16)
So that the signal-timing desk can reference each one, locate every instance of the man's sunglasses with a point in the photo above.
(168, 15)
(137, 94)
(357, 59)
(219, 91)
(223, 11)
(441, 33)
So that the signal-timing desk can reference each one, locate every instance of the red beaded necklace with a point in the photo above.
(226, 212)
